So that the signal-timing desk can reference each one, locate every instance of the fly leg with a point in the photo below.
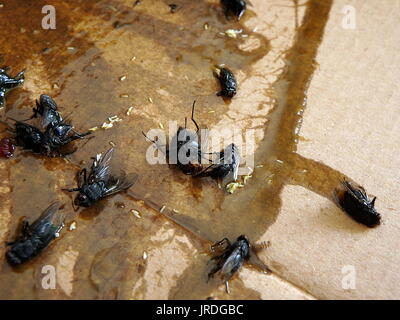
(224, 241)
(71, 190)
(2, 99)
(82, 174)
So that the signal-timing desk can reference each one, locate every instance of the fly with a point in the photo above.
(185, 150)
(99, 183)
(234, 7)
(227, 81)
(8, 83)
(226, 166)
(356, 203)
(54, 135)
(36, 237)
(229, 258)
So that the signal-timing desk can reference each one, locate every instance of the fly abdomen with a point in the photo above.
(24, 251)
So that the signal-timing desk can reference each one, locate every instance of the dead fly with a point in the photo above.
(7, 83)
(185, 149)
(173, 7)
(58, 132)
(355, 202)
(28, 137)
(47, 109)
(229, 258)
(99, 183)
(54, 136)
(225, 167)
(37, 236)
(227, 81)
(234, 7)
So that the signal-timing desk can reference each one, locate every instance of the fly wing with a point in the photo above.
(233, 156)
(101, 167)
(49, 110)
(358, 193)
(232, 264)
(121, 183)
(49, 221)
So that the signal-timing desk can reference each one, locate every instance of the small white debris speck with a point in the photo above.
(133, 59)
(206, 26)
(279, 161)
(162, 209)
(124, 96)
(245, 178)
(129, 112)
(106, 126)
(94, 129)
(232, 33)
(151, 100)
(174, 210)
(122, 78)
(161, 125)
(144, 255)
(112, 144)
(72, 226)
(136, 213)
(233, 186)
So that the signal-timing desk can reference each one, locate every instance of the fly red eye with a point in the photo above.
(6, 148)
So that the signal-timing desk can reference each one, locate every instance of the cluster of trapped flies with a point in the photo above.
(54, 134)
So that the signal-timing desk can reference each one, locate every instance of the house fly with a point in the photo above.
(356, 203)
(99, 183)
(229, 258)
(185, 149)
(46, 107)
(58, 132)
(227, 80)
(234, 7)
(37, 236)
(8, 83)
(54, 135)
(225, 167)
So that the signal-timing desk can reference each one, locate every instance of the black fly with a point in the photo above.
(7, 83)
(227, 81)
(185, 150)
(229, 257)
(37, 236)
(46, 107)
(28, 137)
(356, 203)
(99, 183)
(225, 167)
(234, 7)
(56, 133)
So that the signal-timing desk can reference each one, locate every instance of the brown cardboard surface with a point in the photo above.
(350, 125)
